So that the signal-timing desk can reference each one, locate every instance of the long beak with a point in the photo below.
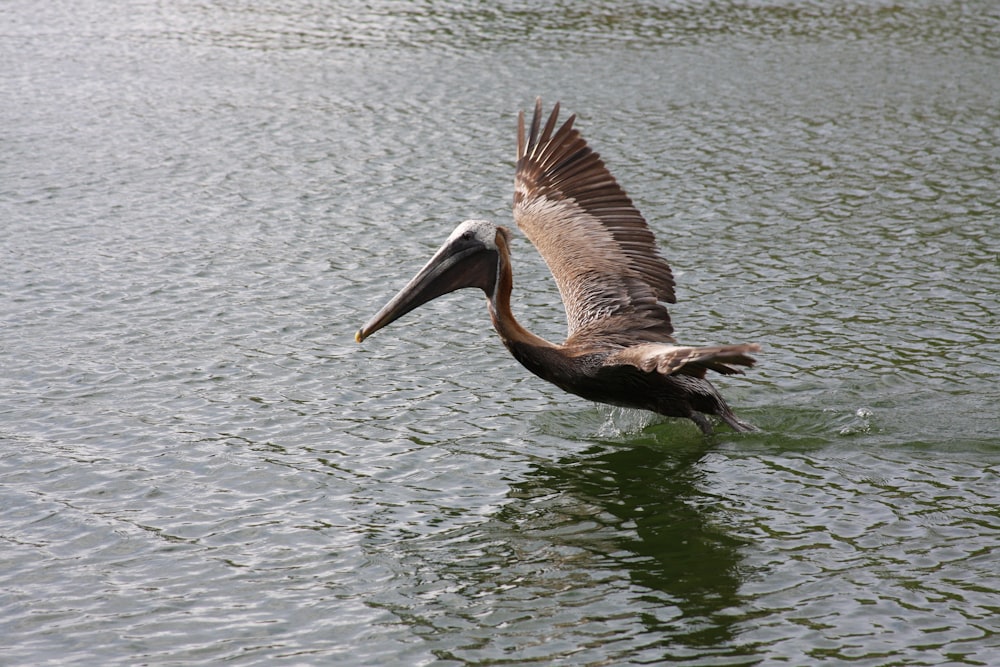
(451, 268)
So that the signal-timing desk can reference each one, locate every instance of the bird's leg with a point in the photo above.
(702, 422)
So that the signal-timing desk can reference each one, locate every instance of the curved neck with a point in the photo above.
(514, 336)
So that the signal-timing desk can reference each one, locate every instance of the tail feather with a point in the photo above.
(735, 422)
(700, 396)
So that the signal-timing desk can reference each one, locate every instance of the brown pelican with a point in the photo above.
(613, 282)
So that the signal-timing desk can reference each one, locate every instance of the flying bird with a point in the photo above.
(613, 282)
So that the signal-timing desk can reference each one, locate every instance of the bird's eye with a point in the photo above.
(467, 236)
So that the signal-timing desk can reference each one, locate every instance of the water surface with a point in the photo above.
(200, 203)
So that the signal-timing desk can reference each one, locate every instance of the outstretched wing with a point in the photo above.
(612, 280)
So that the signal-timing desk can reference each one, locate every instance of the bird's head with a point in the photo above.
(469, 258)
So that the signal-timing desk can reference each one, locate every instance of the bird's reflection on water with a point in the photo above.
(613, 525)
(652, 519)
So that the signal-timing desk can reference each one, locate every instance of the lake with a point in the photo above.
(201, 202)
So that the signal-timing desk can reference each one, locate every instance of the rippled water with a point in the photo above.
(200, 202)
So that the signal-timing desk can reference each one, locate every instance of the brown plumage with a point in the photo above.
(613, 282)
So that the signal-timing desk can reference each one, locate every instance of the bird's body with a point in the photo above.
(613, 282)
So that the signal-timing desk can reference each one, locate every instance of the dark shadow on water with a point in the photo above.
(657, 525)
(618, 552)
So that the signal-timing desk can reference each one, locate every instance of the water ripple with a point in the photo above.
(201, 202)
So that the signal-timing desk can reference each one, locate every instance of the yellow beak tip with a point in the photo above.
(358, 337)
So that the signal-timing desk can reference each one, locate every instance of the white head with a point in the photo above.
(483, 231)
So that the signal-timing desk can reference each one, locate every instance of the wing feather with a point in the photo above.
(612, 279)
(674, 359)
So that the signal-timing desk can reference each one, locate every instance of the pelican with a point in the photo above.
(613, 282)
